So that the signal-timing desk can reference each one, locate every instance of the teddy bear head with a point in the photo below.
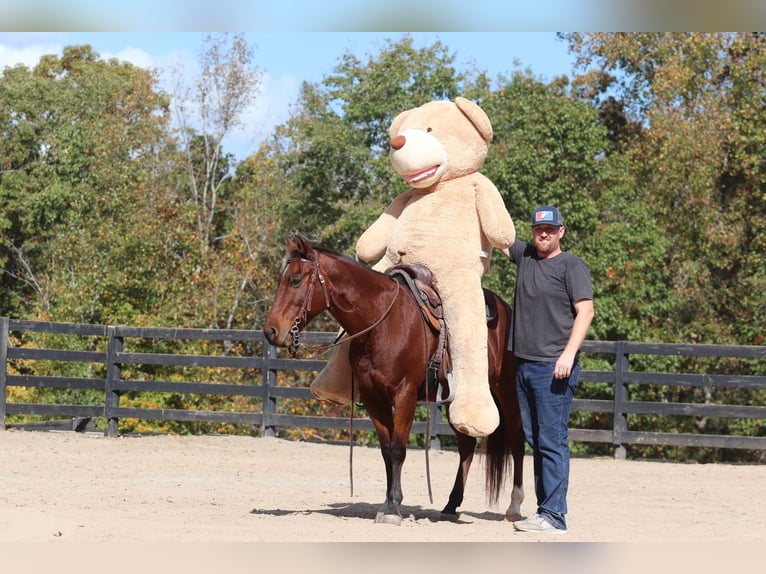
(439, 141)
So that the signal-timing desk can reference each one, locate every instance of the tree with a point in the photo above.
(226, 85)
(238, 284)
(699, 164)
(81, 138)
(547, 148)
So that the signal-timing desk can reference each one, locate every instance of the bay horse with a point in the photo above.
(390, 346)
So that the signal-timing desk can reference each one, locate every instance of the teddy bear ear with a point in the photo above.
(476, 116)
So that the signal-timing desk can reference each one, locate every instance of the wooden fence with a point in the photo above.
(111, 351)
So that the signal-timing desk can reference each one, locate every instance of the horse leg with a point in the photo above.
(517, 494)
(390, 512)
(393, 451)
(514, 436)
(466, 446)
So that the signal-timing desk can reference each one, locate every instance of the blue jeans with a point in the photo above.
(545, 404)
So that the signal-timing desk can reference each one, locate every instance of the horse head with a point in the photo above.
(296, 301)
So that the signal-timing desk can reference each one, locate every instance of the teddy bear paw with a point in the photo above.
(474, 421)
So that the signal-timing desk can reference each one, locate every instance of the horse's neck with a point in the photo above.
(360, 295)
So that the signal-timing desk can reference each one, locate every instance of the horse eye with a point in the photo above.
(295, 281)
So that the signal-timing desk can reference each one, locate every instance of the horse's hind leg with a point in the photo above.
(466, 445)
(514, 436)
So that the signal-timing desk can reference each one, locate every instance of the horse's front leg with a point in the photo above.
(383, 420)
(393, 427)
(393, 455)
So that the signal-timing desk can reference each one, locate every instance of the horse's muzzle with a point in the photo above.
(272, 336)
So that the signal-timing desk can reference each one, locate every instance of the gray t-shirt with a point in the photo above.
(546, 290)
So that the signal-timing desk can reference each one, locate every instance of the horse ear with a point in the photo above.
(298, 243)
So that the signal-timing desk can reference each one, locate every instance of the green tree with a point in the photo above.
(548, 148)
(685, 113)
(242, 274)
(80, 151)
(698, 162)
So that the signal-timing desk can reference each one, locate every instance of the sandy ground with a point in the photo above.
(62, 487)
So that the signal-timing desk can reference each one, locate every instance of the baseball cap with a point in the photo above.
(547, 215)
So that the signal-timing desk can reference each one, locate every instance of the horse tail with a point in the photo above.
(503, 442)
(497, 460)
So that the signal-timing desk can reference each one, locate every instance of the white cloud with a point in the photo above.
(29, 55)
(271, 108)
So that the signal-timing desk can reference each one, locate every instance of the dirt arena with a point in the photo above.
(59, 486)
(86, 487)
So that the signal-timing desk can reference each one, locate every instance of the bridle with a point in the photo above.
(318, 275)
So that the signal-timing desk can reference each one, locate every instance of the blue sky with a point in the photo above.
(287, 59)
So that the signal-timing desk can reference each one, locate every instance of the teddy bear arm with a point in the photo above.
(496, 222)
(373, 242)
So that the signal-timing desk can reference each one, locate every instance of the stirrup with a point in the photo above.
(450, 388)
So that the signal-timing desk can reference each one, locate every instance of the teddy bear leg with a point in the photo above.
(473, 411)
(333, 383)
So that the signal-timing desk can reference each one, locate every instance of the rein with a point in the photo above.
(317, 274)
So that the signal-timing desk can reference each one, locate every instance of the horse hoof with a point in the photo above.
(449, 517)
(382, 518)
(513, 517)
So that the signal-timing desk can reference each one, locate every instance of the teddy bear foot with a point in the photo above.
(472, 430)
(333, 383)
(480, 423)
(336, 396)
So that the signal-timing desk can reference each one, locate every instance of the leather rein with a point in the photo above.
(318, 275)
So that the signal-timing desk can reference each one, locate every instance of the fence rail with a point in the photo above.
(112, 352)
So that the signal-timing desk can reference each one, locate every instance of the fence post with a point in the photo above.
(620, 423)
(4, 325)
(268, 403)
(113, 373)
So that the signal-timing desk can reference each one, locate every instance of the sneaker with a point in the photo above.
(537, 523)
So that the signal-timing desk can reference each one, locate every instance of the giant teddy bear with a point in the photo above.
(448, 220)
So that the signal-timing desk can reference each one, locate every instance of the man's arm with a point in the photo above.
(584, 313)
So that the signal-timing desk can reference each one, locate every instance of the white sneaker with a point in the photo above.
(537, 523)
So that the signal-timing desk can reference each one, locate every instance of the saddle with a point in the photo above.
(419, 279)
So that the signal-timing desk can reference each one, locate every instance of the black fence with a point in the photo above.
(123, 360)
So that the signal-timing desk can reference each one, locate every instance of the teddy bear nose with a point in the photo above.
(398, 142)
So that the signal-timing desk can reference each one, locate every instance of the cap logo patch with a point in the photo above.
(541, 216)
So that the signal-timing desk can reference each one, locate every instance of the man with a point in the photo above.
(553, 310)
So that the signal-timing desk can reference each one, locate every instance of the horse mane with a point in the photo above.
(332, 252)
(326, 250)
